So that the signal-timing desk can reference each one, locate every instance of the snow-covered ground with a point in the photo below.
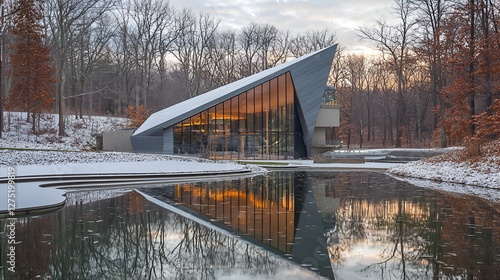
(482, 175)
(459, 189)
(17, 132)
(28, 157)
(459, 166)
(53, 163)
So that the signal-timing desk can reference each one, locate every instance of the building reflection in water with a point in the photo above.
(277, 212)
(120, 235)
(265, 213)
(363, 224)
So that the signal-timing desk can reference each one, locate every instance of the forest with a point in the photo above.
(433, 82)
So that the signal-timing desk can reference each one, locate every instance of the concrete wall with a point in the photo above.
(168, 141)
(117, 141)
(328, 117)
(319, 136)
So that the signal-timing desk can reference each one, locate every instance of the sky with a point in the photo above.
(342, 17)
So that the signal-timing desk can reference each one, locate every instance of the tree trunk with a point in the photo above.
(33, 123)
(384, 137)
(399, 132)
(485, 99)
(443, 136)
(61, 73)
(471, 65)
(80, 103)
(60, 103)
(361, 135)
(391, 130)
(2, 82)
(348, 138)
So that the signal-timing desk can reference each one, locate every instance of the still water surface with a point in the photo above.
(284, 225)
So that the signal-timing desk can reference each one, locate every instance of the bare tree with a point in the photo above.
(431, 47)
(121, 57)
(151, 31)
(91, 48)
(7, 10)
(273, 48)
(171, 31)
(484, 98)
(357, 72)
(63, 17)
(395, 44)
(223, 58)
(311, 41)
(192, 50)
(2, 75)
(338, 72)
(263, 46)
(249, 41)
(422, 98)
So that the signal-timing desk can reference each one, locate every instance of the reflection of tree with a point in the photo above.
(403, 249)
(417, 233)
(30, 245)
(112, 239)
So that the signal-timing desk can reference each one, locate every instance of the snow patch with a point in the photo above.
(33, 163)
(482, 174)
(17, 132)
(459, 189)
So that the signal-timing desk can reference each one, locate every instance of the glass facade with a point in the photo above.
(262, 207)
(256, 124)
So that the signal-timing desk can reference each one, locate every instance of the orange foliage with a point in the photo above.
(32, 73)
(488, 126)
(137, 116)
(472, 66)
(456, 110)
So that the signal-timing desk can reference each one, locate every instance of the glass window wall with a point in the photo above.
(256, 124)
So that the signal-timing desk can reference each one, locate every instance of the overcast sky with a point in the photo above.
(340, 16)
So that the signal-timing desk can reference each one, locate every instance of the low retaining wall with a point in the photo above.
(117, 141)
(339, 160)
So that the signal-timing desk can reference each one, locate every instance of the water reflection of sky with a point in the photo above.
(285, 225)
(389, 229)
(371, 225)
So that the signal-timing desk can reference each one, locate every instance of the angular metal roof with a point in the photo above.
(309, 74)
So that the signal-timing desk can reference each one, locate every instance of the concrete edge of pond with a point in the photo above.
(58, 179)
(310, 165)
(31, 197)
(33, 211)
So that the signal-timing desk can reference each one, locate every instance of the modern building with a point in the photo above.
(270, 115)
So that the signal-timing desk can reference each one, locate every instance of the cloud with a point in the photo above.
(342, 17)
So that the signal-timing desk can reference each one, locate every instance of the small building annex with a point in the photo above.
(274, 114)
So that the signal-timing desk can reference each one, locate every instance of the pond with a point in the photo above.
(284, 225)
